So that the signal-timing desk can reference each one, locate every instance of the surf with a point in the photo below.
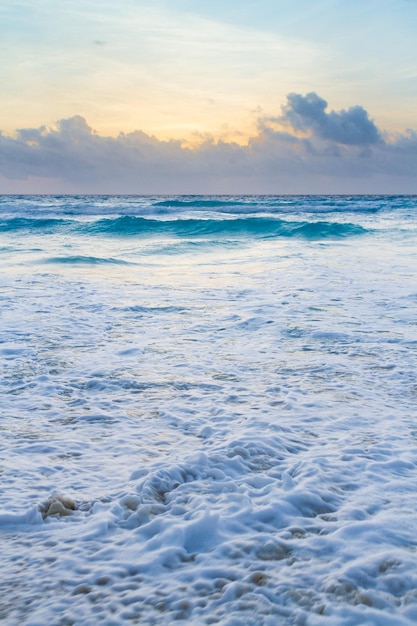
(240, 227)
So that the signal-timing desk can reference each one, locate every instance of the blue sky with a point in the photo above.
(201, 72)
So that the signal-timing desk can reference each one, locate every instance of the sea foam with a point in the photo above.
(208, 410)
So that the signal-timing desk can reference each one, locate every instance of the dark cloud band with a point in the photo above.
(312, 151)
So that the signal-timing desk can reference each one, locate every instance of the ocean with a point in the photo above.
(208, 410)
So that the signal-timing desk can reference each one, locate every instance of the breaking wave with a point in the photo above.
(84, 260)
(128, 226)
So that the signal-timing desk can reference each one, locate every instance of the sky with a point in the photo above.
(226, 96)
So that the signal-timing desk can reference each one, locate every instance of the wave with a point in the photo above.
(44, 224)
(260, 227)
(153, 206)
(278, 204)
(85, 260)
(203, 203)
(131, 226)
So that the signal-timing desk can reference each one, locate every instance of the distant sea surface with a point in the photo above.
(208, 410)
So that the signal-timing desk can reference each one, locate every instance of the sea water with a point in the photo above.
(208, 410)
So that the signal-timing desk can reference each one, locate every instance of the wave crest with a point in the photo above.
(189, 228)
(259, 227)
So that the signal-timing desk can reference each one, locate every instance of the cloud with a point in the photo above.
(308, 113)
(311, 151)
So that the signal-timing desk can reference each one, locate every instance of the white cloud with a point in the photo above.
(338, 152)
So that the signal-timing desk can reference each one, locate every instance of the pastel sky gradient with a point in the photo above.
(226, 96)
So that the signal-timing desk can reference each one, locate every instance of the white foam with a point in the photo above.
(226, 438)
